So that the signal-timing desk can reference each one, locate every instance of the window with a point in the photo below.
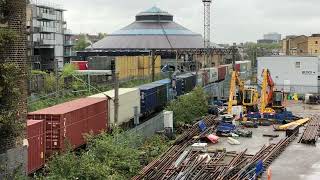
(316, 42)
(298, 64)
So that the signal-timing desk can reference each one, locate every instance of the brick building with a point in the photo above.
(301, 45)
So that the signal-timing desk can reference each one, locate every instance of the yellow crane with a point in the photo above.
(247, 97)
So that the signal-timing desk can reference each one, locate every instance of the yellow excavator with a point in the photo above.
(271, 100)
(247, 97)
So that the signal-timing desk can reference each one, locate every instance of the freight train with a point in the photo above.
(49, 129)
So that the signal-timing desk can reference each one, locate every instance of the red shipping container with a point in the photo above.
(222, 71)
(237, 67)
(36, 141)
(70, 121)
(81, 65)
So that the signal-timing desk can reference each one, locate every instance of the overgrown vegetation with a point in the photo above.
(77, 89)
(109, 156)
(10, 93)
(189, 107)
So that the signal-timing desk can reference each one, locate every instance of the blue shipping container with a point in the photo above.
(153, 96)
(168, 84)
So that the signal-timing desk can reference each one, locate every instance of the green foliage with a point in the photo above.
(81, 43)
(36, 72)
(153, 148)
(102, 35)
(10, 93)
(68, 70)
(189, 107)
(108, 156)
(6, 37)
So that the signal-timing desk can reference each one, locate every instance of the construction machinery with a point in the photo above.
(271, 100)
(247, 97)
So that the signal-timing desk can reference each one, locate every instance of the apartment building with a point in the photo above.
(301, 45)
(49, 41)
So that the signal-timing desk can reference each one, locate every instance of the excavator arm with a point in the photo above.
(235, 81)
(266, 91)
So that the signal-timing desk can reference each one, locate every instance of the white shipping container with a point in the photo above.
(292, 74)
(213, 75)
(128, 99)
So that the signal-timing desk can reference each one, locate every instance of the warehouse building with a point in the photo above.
(292, 74)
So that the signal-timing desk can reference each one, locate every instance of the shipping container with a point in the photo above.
(80, 65)
(70, 121)
(200, 81)
(213, 74)
(237, 67)
(167, 82)
(36, 144)
(205, 76)
(153, 97)
(222, 70)
(128, 99)
(188, 82)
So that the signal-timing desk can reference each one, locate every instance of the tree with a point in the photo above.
(81, 43)
(102, 35)
(189, 107)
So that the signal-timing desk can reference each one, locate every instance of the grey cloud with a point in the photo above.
(232, 20)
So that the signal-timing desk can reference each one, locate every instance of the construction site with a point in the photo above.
(155, 100)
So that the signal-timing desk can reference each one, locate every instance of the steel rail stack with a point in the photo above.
(311, 133)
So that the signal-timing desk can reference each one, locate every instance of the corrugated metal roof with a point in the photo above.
(111, 93)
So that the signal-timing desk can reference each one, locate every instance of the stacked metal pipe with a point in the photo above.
(311, 133)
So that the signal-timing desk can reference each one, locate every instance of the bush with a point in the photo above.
(108, 156)
(189, 107)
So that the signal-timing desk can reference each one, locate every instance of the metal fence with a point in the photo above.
(150, 127)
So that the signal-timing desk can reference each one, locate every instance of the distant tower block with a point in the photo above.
(207, 5)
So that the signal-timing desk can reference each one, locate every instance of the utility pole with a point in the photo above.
(176, 64)
(153, 58)
(57, 78)
(206, 32)
(116, 97)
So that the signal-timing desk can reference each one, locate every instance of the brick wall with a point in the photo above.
(16, 52)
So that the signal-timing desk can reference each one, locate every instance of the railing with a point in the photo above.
(47, 16)
(47, 29)
(47, 42)
(68, 54)
(68, 43)
(67, 31)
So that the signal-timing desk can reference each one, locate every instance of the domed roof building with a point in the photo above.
(152, 29)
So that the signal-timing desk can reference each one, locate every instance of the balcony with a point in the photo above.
(69, 54)
(47, 42)
(68, 43)
(47, 16)
(47, 29)
(67, 32)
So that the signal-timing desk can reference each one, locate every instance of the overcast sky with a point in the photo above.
(232, 20)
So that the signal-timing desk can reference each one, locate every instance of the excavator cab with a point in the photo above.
(278, 99)
(250, 98)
